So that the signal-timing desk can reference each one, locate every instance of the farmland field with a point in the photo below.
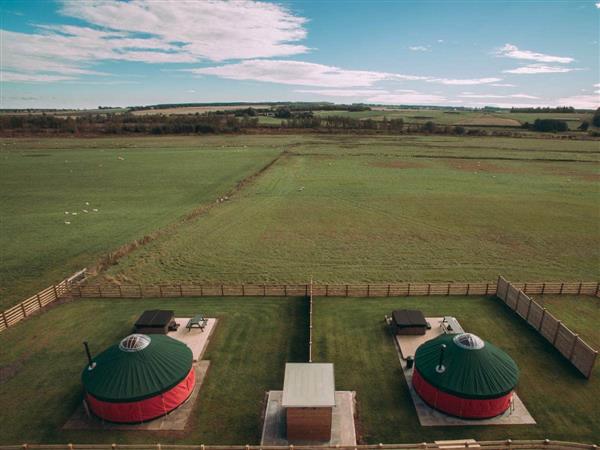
(396, 209)
(41, 365)
(128, 187)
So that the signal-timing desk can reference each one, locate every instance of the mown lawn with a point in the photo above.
(351, 333)
(252, 342)
(396, 209)
(42, 359)
(129, 187)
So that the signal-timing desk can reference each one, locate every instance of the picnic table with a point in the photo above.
(198, 321)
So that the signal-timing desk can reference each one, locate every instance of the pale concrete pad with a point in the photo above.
(174, 421)
(409, 343)
(429, 417)
(343, 431)
(196, 339)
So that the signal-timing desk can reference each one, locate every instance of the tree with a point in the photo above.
(596, 118)
(550, 125)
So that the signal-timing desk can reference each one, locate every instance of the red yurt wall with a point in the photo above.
(457, 406)
(143, 410)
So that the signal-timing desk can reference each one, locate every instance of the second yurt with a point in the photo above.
(464, 376)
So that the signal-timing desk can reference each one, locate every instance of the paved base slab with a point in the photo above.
(342, 425)
(174, 421)
(408, 344)
(429, 417)
(196, 339)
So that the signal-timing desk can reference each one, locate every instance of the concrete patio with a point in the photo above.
(174, 421)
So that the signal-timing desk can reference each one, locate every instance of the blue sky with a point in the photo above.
(80, 54)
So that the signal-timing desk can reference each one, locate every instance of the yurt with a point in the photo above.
(139, 379)
(464, 376)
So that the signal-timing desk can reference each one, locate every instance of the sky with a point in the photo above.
(90, 53)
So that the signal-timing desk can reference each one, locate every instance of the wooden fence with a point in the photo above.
(507, 444)
(569, 344)
(282, 290)
(310, 322)
(27, 307)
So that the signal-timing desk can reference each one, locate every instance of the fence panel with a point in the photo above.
(584, 357)
(523, 305)
(536, 312)
(564, 341)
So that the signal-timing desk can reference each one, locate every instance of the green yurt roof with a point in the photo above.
(472, 368)
(137, 368)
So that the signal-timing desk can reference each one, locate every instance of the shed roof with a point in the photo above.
(308, 385)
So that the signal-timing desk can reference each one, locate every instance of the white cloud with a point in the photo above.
(512, 51)
(153, 32)
(471, 95)
(407, 99)
(540, 68)
(463, 81)
(440, 41)
(598, 5)
(502, 85)
(33, 78)
(342, 92)
(419, 48)
(580, 101)
(300, 73)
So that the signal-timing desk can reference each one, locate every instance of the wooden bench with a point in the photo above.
(197, 321)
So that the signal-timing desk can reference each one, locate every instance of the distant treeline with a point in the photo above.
(247, 119)
(559, 109)
(292, 106)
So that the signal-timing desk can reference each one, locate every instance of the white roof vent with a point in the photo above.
(469, 341)
(134, 343)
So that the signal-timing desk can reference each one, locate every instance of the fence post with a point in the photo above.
(388, 291)
(448, 289)
(543, 288)
(243, 290)
(428, 289)
(55, 291)
(528, 309)
(368, 290)
(160, 290)
(264, 290)
(468, 288)
(326, 290)
(562, 285)
(23, 309)
(141, 290)
(4, 319)
(579, 290)
(201, 290)
(542, 319)
(285, 290)
(180, 290)
(597, 289)
(39, 300)
(487, 288)
(120, 291)
(347, 290)
(222, 291)
(558, 324)
(408, 291)
(573, 347)
(518, 298)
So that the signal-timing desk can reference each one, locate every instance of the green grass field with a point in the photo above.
(136, 185)
(41, 368)
(396, 209)
(480, 119)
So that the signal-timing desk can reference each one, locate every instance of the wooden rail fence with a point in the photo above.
(507, 444)
(310, 322)
(14, 315)
(325, 290)
(569, 344)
